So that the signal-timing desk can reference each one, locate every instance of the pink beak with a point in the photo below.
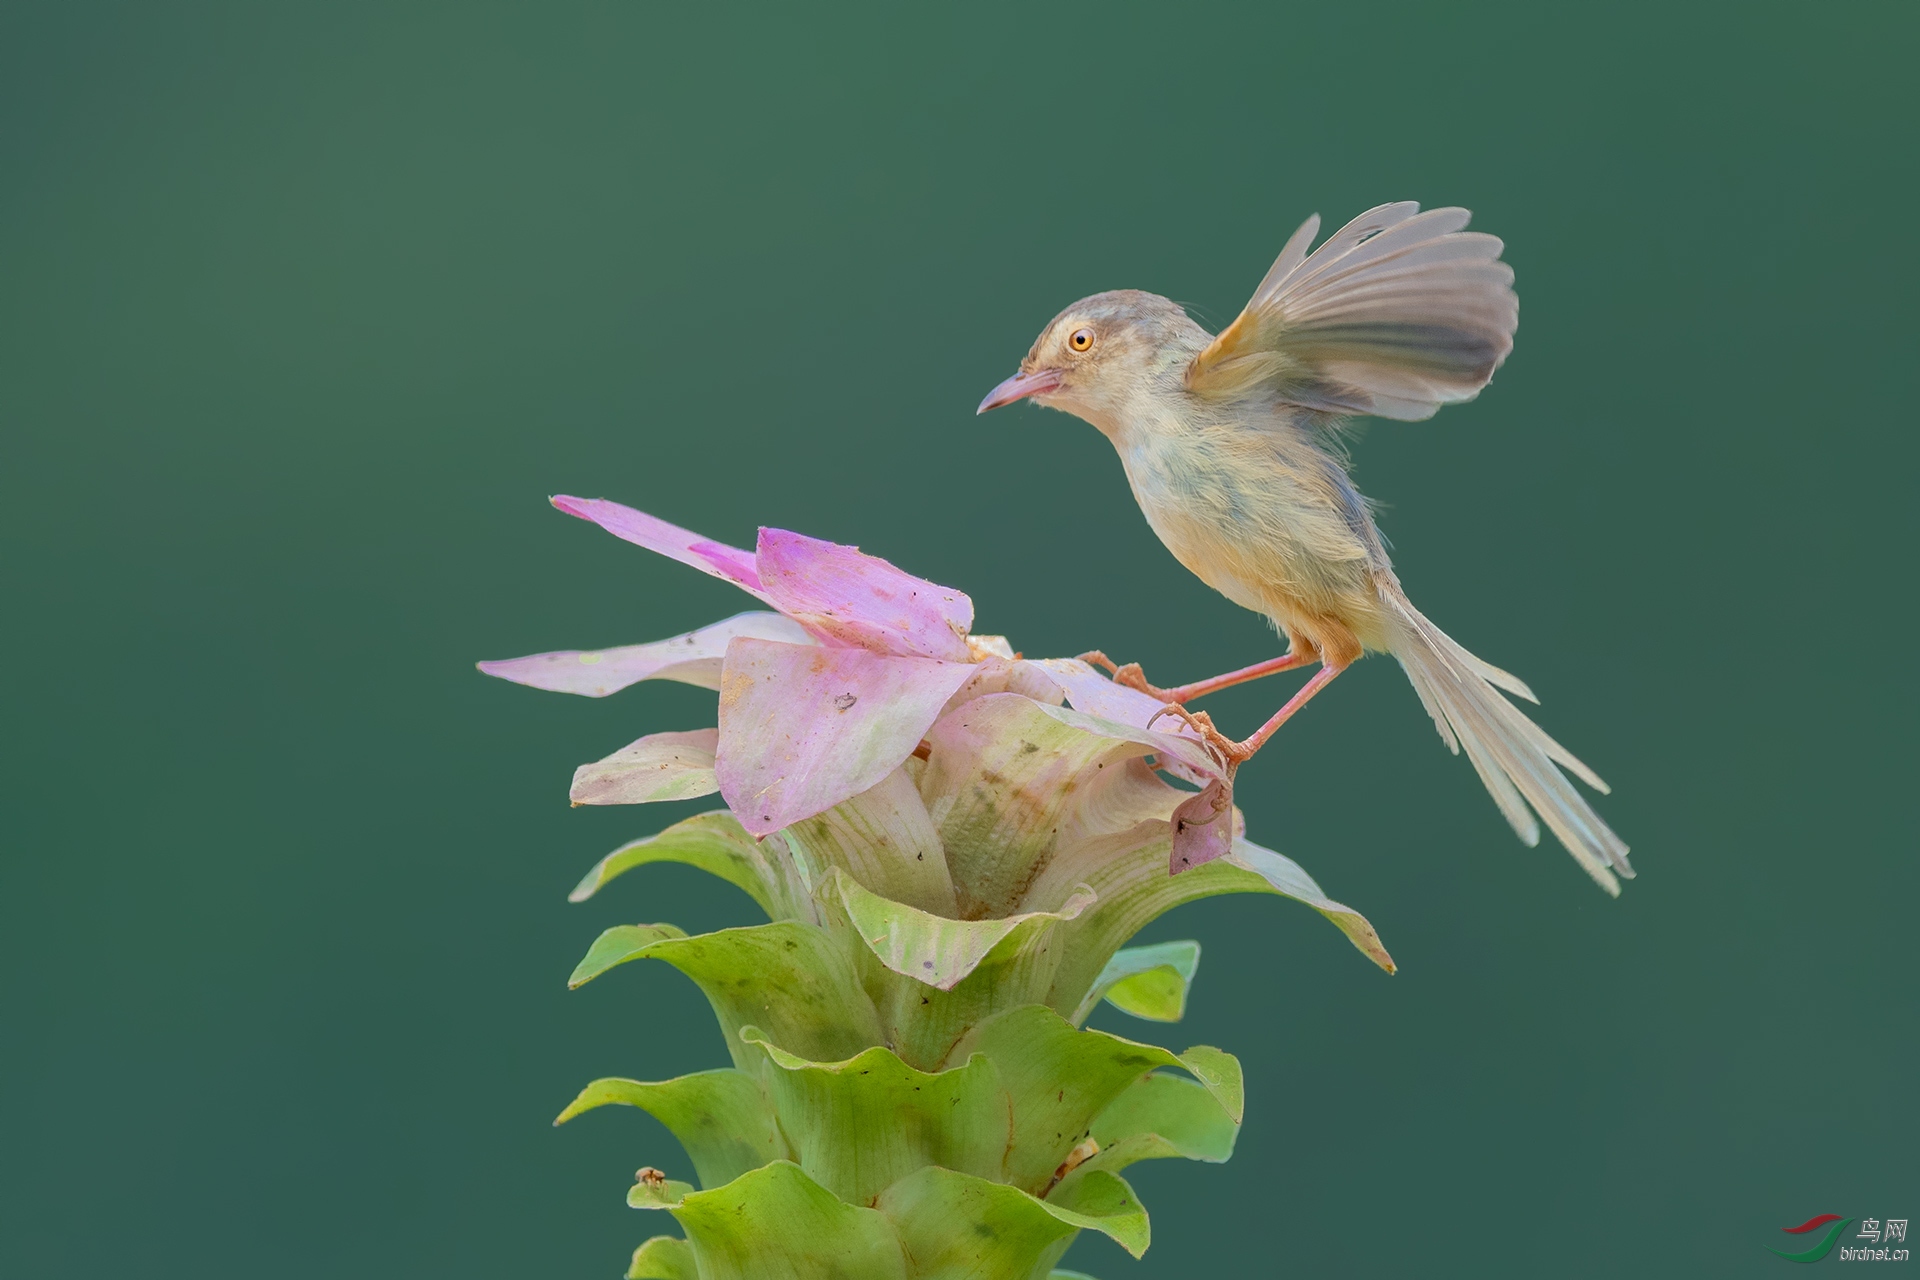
(1019, 387)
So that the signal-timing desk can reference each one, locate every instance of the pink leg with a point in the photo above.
(1321, 678)
(1132, 677)
(1272, 666)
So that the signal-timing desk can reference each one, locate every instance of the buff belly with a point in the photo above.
(1299, 566)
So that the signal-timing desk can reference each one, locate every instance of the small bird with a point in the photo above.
(1232, 447)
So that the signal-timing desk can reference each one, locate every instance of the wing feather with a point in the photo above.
(1291, 256)
(1398, 313)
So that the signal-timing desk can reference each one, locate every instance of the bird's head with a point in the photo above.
(1105, 357)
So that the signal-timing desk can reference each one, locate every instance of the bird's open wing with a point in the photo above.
(1398, 313)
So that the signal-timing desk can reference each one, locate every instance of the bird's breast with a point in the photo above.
(1257, 516)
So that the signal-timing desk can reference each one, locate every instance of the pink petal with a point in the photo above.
(1093, 693)
(660, 766)
(803, 728)
(847, 597)
(994, 674)
(1203, 827)
(693, 658)
(1181, 756)
(1089, 691)
(637, 527)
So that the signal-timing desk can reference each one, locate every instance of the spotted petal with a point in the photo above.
(693, 658)
(641, 529)
(847, 597)
(660, 766)
(1006, 779)
(803, 728)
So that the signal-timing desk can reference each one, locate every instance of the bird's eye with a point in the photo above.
(1081, 339)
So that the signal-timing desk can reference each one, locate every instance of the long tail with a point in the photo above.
(1513, 755)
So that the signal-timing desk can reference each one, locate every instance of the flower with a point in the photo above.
(953, 846)
(822, 700)
(865, 715)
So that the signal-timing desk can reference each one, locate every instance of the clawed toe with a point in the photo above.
(1199, 721)
(1128, 675)
(1133, 677)
(1231, 753)
(1098, 659)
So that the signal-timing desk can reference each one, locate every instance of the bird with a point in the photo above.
(1233, 447)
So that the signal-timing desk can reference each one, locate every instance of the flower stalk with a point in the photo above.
(952, 846)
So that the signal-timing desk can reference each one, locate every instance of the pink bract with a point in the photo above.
(693, 658)
(957, 801)
(641, 529)
(825, 699)
(804, 727)
(847, 597)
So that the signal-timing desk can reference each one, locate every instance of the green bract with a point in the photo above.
(912, 1091)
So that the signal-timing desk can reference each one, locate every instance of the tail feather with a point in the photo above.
(1464, 665)
(1455, 655)
(1513, 756)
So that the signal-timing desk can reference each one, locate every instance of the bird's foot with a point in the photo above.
(1231, 754)
(1128, 674)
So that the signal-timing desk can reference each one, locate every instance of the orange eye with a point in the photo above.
(1081, 339)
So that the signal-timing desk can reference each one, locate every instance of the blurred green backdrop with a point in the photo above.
(307, 308)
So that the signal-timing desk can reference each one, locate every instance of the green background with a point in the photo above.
(306, 309)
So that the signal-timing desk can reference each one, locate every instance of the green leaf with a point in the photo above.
(1104, 1202)
(1288, 878)
(1060, 1079)
(714, 842)
(1068, 1275)
(664, 1194)
(1129, 873)
(723, 1118)
(963, 1228)
(660, 766)
(776, 1223)
(618, 945)
(993, 965)
(934, 949)
(885, 841)
(1220, 1072)
(1160, 1117)
(1147, 982)
(792, 979)
(859, 1126)
(957, 1227)
(666, 1258)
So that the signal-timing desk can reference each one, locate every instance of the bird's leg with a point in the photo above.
(1272, 666)
(1133, 677)
(1130, 675)
(1238, 752)
(1232, 753)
